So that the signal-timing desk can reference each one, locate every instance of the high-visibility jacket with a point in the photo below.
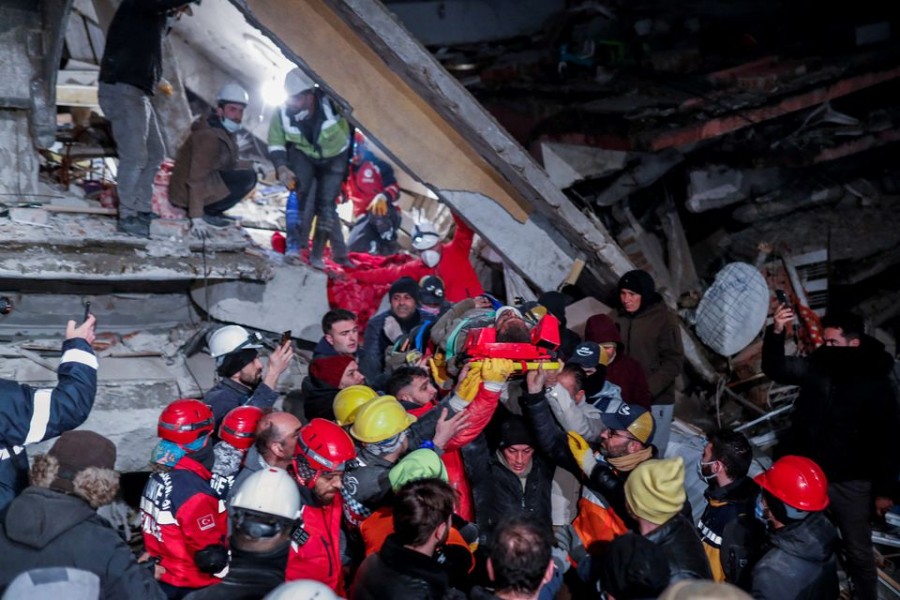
(316, 545)
(332, 138)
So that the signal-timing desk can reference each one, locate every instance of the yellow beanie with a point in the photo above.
(655, 489)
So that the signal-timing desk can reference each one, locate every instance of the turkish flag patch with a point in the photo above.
(206, 522)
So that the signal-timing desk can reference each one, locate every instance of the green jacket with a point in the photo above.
(333, 138)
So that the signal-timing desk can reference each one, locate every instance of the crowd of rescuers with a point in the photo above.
(487, 461)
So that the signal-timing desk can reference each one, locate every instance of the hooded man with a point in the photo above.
(652, 335)
(55, 523)
(237, 363)
(208, 178)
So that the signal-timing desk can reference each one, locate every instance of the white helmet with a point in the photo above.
(234, 94)
(231, 338)
(425, 236)
(296, 81)
(270, 491)
(302, 589)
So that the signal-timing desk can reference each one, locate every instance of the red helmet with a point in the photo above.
(322, 446)
(185, 421)
(238, 428)
(797, 481)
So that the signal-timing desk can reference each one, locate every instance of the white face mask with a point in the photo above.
(431, 258)
(700, 472)
(302, 115)
(230, 126)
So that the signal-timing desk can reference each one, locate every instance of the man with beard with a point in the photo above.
(405, 566)
(384, 328)
(729, 532)
(845, 419)
(182, 518)
(241, 371)
(511, 326)
(322, 454)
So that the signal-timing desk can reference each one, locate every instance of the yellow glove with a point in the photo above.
(582, 452)
(495, 372)
(165, 87)
(379, 205)
(437, 364)
(468, 387)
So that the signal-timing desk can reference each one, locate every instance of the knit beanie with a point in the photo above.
(639, 282)
(235, 361)
(330, 369)
(655, 489)
(420, 464)
(405, 285)
(601, 329)
(514, 431)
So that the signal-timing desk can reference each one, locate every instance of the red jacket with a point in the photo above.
(180, 515)
(455, 268)
(316, 548)
(480, 412)
(368, 179)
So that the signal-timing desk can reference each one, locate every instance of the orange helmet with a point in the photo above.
(798, 482)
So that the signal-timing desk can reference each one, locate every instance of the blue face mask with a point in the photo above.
(230, 126)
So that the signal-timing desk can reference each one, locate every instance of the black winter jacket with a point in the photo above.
(497, 491)
(317, 400)
(396, 572)
(371, 357)
(251, 575)
(44, 528)
(133, 52)
(229, 394)
(846, 417)
(801, 564)
(679, 540)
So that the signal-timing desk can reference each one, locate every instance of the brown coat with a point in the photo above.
(195, 181)
(653, 338)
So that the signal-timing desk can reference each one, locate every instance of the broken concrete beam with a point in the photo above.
(271, 306)
(714, 187)
(569, 163)
(649, 168)
(786, 204)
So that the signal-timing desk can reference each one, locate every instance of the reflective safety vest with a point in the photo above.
(597, 522)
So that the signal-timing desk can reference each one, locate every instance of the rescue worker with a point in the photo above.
(32, 415)
(800, 562)
(846, 420)
(237, 363)
(309, 144)
(54, 522)
(183, 520)
(385, 433)
(264, 511)
(236, 434)
(405, 566)
(323, 452)
(730, 534)
(384, 328)
(130, 71)
(432, 300)
(274, 445)
(340, 334)
(349, 400)
(448, 260)
(652, 335)
(656, 498)
(208, 178)
(372, 188)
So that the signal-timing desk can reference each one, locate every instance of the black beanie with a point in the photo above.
(405, 285)
(235, 361)
(513, 431)
(639, 282)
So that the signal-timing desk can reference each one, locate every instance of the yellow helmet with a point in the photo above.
(380, 419)
(348, 400)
